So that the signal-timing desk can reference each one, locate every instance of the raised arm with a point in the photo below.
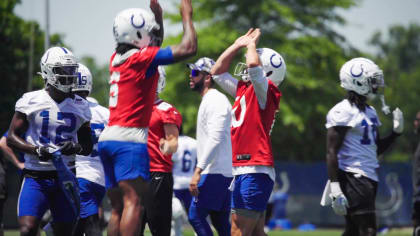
(188, 45)
(157, 11)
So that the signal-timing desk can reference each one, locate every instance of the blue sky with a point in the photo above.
(87, 24)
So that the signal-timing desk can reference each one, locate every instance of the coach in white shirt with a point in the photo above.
(213, 174)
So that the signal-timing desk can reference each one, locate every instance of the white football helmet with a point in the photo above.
(135, 26)
(272, 63)
(362, 76)
(84, 79)
(162, 79)
(59, 68)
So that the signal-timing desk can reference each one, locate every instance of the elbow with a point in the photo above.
(191, 48)
(9, 140)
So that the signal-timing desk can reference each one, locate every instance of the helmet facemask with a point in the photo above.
(63, 78)
(241, 70)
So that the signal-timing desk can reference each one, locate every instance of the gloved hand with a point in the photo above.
(339, 200)
(43, 153)
(398, 120)
(69, 148)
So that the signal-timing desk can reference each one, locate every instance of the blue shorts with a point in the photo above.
(252, 191)
(38, 195)
(184, 196)
(214, 193)
(91, 195)
(123, 161)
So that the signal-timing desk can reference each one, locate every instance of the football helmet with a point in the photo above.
(272, 64)
(162, 79)
(59, 68)
(84, 79)
(361, 76)
(135, 26)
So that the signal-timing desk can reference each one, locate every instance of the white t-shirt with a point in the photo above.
(358, 151)
(214, 146)
(184, 159)
(90, 167)
(51, 123)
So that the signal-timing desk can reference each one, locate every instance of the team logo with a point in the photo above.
(139, 19)
(276, 60)
(360, 71)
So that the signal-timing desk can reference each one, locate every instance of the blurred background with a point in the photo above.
(314, 37)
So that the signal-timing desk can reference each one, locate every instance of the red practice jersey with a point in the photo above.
(131, 93)
(162, 113)
(251, 126)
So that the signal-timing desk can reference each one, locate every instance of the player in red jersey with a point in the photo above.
(161, 143)
(134, 77)
(257, 98)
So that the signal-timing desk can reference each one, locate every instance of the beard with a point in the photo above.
(199, 85)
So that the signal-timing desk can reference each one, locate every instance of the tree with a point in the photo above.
(301, 31)
(398, 55)
(15, 35)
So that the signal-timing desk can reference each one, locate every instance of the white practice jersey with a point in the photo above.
(214, 145)
(90, 167)
(184, 159)
(51, 123)
(358, 151)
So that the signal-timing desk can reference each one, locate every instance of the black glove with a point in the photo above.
(69, 148)
(43, 153)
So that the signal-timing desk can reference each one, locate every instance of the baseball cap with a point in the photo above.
(203, 64)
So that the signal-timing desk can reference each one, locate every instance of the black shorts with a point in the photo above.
(359, 191)
(158, 214)
(3, 184)
(416, 211)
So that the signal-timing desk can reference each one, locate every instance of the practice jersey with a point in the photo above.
(184, 159)
(251, 126)
(132, 93)
(51, 123)
(162, 113)
(357, 154)
(90, 167)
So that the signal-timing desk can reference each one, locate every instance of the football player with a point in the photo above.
(134, 79)
(353, 145)
(213, 173)
(257, 98)
(89, 169)
(416, 180)
(49, 119)
(161, 143)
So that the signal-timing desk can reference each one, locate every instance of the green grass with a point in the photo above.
(393, 232)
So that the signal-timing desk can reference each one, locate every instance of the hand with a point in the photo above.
(43, 153)
(245, 39)
(255, 36)
(398, 120)
(339, 200)
(156, 8)
(194, 184)
(20, 165)
(163, 147)
(69, 148)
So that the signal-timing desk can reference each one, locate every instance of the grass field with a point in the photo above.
(394, 232)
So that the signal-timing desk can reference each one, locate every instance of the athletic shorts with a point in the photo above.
(184, 196)
(123, 161)
(37, 195)
(252, 191)
(91, 195)
(359, 191)
(214, 192)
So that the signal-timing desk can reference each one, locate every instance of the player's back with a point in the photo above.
(184, 159)
(133, 85)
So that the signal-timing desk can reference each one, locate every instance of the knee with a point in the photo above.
(416, 231)
(28, 228)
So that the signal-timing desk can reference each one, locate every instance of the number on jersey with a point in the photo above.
(44, 137)
(366, 139)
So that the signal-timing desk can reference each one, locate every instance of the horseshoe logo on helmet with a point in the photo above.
(137, 26)
(272, 63)
(358, 75)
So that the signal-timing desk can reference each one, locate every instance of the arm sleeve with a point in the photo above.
(339, 117)
(217, 123)
(260, 83)
(227, 82)
(163, 57)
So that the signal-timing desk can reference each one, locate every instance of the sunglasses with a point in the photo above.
(194, 73)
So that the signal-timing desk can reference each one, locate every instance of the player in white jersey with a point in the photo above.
(213, 173)
(353, 144)
(89, 169)
(50, 118)
(185, 160)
